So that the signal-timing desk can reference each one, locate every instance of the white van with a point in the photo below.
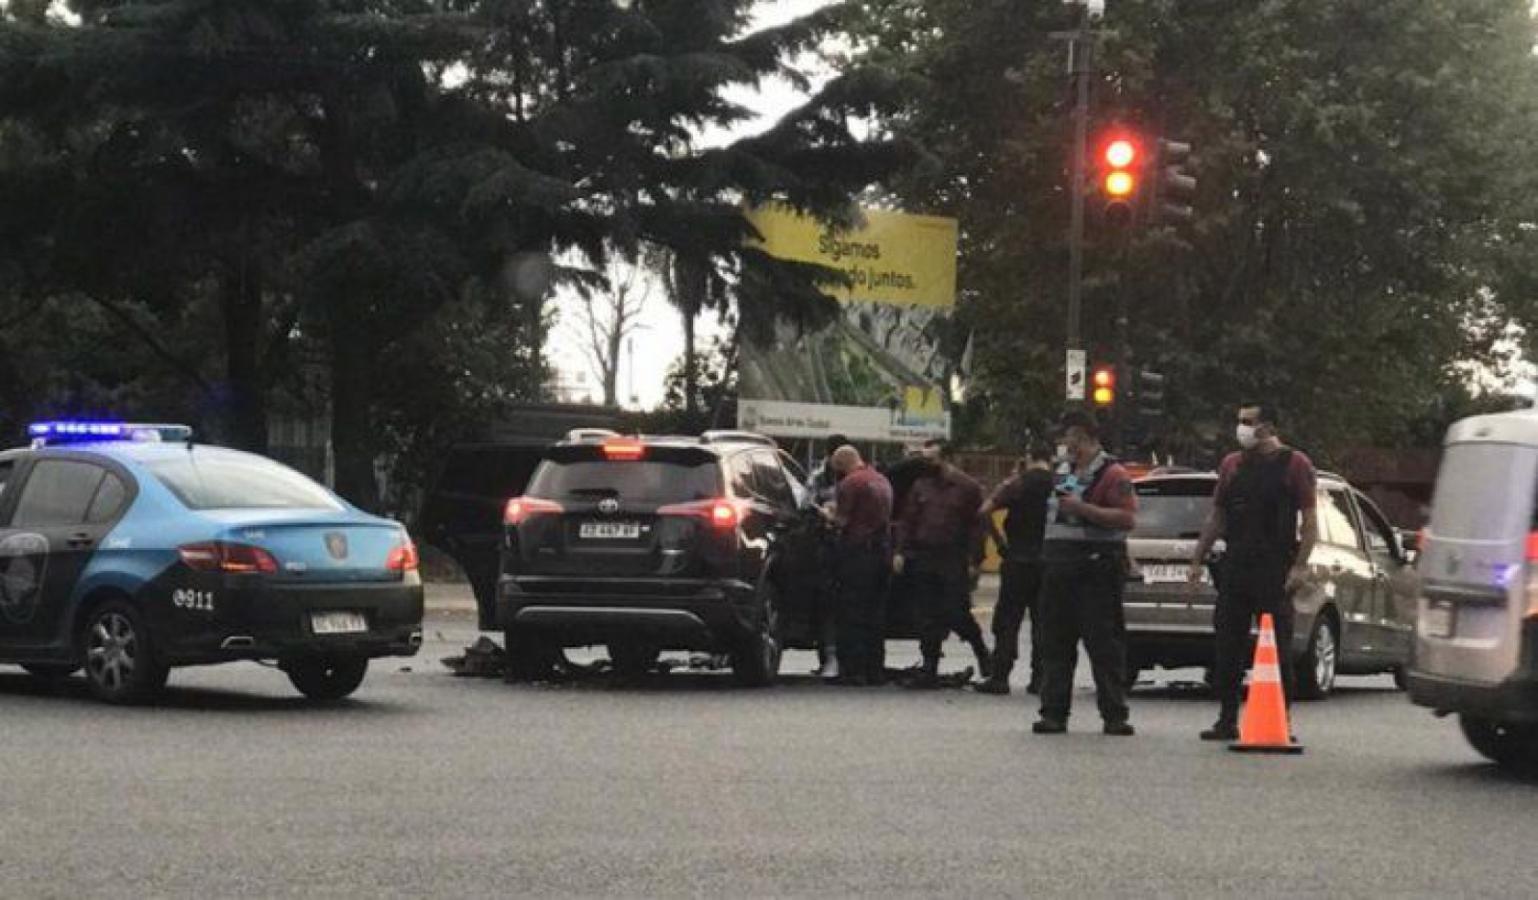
(1476, 635)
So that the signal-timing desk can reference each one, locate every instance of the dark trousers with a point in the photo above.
(1248, 587)
(1081, 601)
(942, 588)
(860, 576)
(1019, 588)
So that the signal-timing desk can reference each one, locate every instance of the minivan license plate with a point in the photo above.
(609, 531)
(1437, 620)
(338, 623)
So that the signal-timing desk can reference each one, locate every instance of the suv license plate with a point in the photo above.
(338, 623)
(610, 531)
(1437, 621)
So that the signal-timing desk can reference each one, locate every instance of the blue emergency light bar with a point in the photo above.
(78, 432)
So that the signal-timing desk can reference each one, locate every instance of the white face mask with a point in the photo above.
(1246, 436)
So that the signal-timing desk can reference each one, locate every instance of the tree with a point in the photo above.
(1360, 222)
(605, 318)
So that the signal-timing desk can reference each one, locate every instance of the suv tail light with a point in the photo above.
(1532, 575)
(403, 558)
(222, 556)
(721, 513)
(521, 509)
(623, 449)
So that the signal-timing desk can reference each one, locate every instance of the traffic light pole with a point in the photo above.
(1080, 65)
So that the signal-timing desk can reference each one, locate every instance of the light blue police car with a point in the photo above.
(128, 549)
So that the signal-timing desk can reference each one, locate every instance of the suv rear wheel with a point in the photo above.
(756, 663)
(1316, 670)
(1511, 746)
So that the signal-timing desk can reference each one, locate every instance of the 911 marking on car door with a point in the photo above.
(202, 601)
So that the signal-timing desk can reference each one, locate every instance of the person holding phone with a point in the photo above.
(1084, 559)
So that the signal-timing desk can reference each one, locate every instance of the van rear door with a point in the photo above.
(1474, 562)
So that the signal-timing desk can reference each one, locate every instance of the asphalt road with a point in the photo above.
(429, 785)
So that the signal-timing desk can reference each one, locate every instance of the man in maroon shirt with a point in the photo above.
(863, 514)
(1264, 509)
(940, 547)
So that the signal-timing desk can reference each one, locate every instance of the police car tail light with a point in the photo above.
(521, 509)
(721, 513)
(403, 558)
(222, 556)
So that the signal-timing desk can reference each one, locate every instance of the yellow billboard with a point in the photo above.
(894, 257)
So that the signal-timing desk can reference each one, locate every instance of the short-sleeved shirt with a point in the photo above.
(864, 500)
(1110, 488)
(1302, 479)
(1024, 499)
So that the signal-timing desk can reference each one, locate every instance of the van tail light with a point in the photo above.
(222, 556)
(403, 557)
(521, 509)
(722, 514)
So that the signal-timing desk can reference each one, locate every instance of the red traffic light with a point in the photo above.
(1120, 153)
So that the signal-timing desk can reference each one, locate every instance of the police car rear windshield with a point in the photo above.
(1173, 509)
(209, 481)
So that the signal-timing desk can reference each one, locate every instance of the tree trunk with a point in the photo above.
(611, 365)
(691, 368)
(351, 427)
(247, 386)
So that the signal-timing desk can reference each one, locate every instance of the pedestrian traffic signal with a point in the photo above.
(1103, 384)
(1121, 169)
(1174, 187)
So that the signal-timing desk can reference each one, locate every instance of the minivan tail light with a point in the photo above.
(403, 557)
(222, 556)
(521, 509)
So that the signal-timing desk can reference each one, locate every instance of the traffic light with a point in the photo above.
(1102, 383)
(1150, 393)
(1174, 187)
(1121, 162)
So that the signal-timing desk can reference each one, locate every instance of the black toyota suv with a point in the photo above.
(647, 544)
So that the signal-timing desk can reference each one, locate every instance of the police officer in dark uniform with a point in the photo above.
(1085, 571)
(1264, 510)
(823, 484)
(1023, 497)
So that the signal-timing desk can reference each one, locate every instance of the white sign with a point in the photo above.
(1078, 362)
(778, 418)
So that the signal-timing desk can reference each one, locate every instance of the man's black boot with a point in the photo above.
(998, 682)
(1045, 725)
(928, 677)
(984, 660)
(1222, 730)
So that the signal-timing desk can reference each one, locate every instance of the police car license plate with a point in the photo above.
(1166, 574)
(1438, 620)
(609, 531)
(338, 622)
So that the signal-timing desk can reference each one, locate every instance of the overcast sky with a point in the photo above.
(660, 341)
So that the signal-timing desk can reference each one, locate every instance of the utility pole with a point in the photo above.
(1081, 68)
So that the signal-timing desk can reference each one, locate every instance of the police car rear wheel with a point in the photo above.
(327, 678)
(120, 664)
(1511, 746)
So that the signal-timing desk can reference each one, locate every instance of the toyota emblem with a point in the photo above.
(608, 506)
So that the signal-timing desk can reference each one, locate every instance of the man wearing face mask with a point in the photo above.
(1084, 557)
(1264, 510)
(939, 548)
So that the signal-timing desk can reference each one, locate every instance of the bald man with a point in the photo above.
(863, 514)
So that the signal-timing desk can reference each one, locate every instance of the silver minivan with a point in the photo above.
(1476, 640)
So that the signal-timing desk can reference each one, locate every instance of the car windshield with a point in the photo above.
(647, 481)
(228, 481)
(1173, 509)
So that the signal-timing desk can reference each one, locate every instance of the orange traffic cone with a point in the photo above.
(1263, 726)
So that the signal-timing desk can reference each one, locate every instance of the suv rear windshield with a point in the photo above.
(640, 481)
(1173, 509)
(228, 481)
(1478, 490)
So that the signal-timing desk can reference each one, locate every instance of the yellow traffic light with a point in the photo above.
(1120, 184)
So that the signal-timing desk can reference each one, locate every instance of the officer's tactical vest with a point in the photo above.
(1065, 528)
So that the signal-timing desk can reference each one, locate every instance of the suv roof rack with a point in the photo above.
(737, 437)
